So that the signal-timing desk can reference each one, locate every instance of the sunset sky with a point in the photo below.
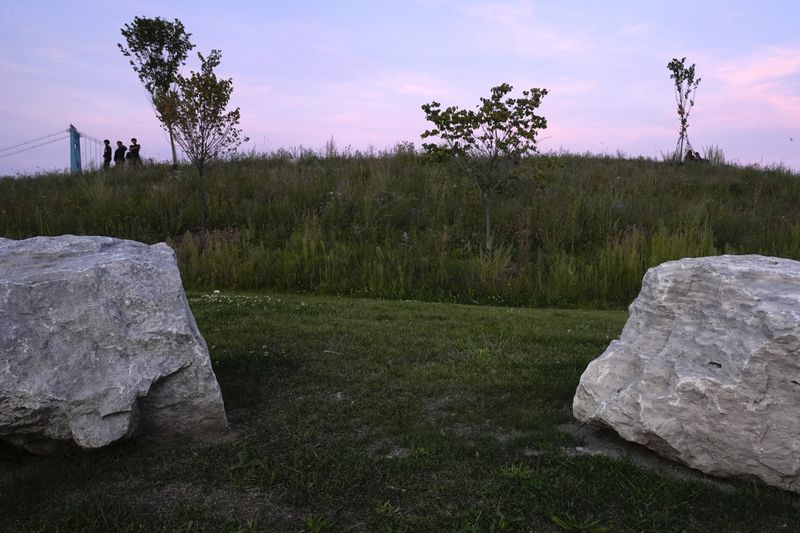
(357, 72)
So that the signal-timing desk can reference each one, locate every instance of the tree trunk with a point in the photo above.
(487, 217)
(201, 171)
(174, 152)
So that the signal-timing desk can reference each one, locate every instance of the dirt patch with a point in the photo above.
(438, 409)
(384, 449)
(606, 442)
(236, 506)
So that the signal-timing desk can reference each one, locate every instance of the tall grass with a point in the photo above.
(572, 230)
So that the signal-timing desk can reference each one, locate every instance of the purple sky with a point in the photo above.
(358, 71)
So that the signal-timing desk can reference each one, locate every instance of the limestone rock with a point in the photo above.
(97, 344)
(707, 368)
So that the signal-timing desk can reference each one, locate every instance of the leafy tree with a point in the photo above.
(157, 48)
(196, 109)
(685, 89)
(489, 141)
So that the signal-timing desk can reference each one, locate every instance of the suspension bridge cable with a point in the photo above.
(31, 141)
(89, 152)
(90, 147)
(84, 155)
(60, 139)
(89, 137)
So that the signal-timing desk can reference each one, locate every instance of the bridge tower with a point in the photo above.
(74, 150)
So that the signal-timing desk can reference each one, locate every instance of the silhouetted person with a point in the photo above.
(119, 155)
(106, 154)
(690, 156)
(133, 153)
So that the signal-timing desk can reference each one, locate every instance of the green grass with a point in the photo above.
(375, 415)
(570, 231)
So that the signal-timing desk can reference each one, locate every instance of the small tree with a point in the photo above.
(202, 126)
(157, 48)
(488, 142)
(685, 89)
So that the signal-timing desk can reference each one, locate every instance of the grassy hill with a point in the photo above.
(570, 231)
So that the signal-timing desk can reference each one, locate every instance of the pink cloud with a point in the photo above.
(516, 27)
(768, 64)
(758, 88)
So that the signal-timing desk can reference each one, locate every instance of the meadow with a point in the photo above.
(364, 388)
(570, 231)
(383, 416)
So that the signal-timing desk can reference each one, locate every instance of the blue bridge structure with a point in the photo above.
(84, 149)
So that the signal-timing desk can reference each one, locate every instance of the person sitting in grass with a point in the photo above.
(694, 155)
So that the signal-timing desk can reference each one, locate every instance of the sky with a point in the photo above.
(357, 72)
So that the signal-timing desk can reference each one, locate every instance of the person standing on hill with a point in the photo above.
(119, 155)
(133, 153)
(106, 154)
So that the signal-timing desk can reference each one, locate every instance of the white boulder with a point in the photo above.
(97, 344)
(707, 369)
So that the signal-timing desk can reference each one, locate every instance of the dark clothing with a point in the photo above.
(119, 156)
(133, 154)
(107, 156)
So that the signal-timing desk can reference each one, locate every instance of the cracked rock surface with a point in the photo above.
(707, 368)
(98, 344)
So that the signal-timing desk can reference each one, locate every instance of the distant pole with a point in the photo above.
(74, 150)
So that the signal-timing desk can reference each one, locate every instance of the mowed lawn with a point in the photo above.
(374, 415)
